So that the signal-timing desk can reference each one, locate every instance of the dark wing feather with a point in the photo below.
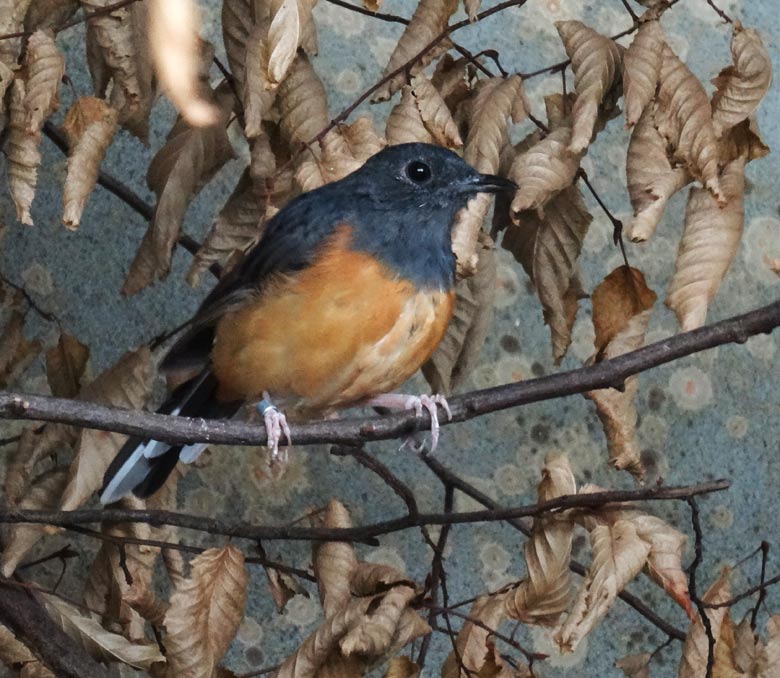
(289, 244)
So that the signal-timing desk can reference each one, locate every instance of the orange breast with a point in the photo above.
(334, 334)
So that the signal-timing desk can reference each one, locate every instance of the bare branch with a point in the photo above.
(609, 373)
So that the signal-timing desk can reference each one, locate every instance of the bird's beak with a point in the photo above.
(491, 183)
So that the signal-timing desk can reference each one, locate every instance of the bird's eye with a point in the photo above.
(418, 172)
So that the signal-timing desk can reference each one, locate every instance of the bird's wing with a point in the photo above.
(289, 244)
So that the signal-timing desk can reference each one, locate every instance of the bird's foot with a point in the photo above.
(275, 426)
(418, 404)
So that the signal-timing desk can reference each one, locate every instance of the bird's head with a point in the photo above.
(416, 176)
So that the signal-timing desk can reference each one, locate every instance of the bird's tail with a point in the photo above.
(143, 465)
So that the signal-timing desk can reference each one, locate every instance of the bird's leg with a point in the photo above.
(275, 425)
(401, 401)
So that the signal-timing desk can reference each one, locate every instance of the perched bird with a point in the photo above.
(346, 295)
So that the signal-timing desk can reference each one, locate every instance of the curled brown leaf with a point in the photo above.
(642, 68)
(546, 591)
(90, 125)
(45, 68)
(708, 246)
(428, 21)
(596, 62)
(22, 154)
(741, 87)
(206, 611)
(684, 118)
(652, 179)
(544, 170)
(548, 248)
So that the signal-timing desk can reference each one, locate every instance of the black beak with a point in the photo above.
(491, 183)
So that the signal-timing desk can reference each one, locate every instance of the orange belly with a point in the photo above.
(339, 332)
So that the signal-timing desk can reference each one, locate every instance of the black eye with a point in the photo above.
(418, 172)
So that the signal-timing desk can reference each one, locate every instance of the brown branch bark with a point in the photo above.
(609, 373)
(363, 533)
(30, 623)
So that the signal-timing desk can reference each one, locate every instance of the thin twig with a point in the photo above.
(607, 374)
(726, 18)
(761, 585)
(75, 22)
(617, 225)
(362, 534)
(698, 558)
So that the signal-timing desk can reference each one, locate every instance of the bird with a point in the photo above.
(348, 292)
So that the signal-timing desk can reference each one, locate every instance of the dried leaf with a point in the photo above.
(127, 384)
(683, 117)
(373, 635)
(548, 248)
(16, 351)
(543, 171)
(641, 69)
(596, 62)
(237, 20)
(405, 124)
(745, 140)
(617, 413)
(312, 654)
(257, 94)
(620, 297)
(175, 46)
(32, 448)
(459, 351)
(635, 665)
(90, 125)
(619, 554)
(206, 611)
(43, 14)
(18, 539)
(652, 179)
(101, 644)
(45, 68)
(746, 649)
(741, 87)
(472, 8)
(13, 651)
(434, 113)
(402, 667)
(334, 562)
(362, 139)
(238, 227)
(696, 648)
(22, 154)
(190, 157)
(118, 49)
(708, 246)
(303, 104)
(65, 364)
(496, 101)
(770, 657)
(471, 644)
(546, 591)
(283, 37)
(429, 19)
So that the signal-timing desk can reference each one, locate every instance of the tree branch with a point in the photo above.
(364, 533)
(30, 623)
(354, 431)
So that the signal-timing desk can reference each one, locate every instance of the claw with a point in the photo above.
(417, 403)
(275, 426)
